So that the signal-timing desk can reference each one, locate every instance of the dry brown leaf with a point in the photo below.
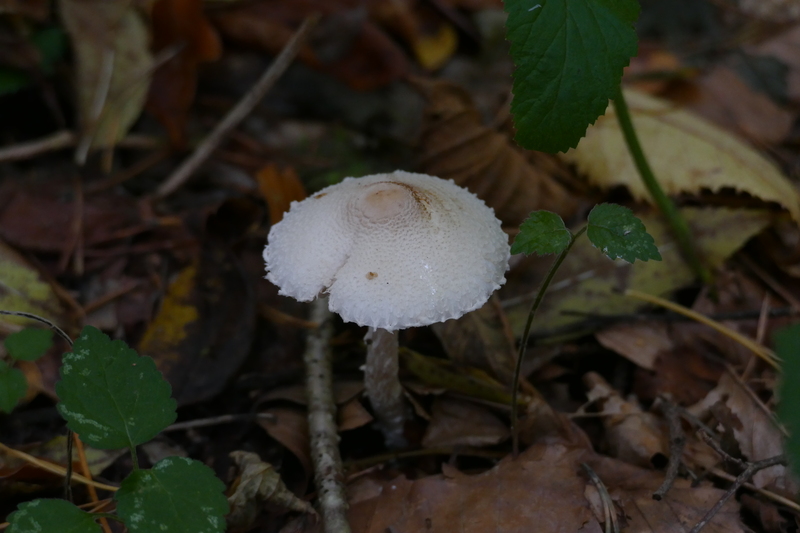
(351, 415)
(543, 490)
(461, 423)
(481, 339)
(786, 47)
(687, 155)
(754, 429)
(633, 435)
(279, 187)
(256, 486)
(290, 428)
(638, 343)
(455, 144)
(111, 45)
(728, 101)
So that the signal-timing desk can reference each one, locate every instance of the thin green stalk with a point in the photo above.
(134, 458)
(680, 229)
(524, 341)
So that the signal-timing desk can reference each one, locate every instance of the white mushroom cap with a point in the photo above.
(392, 250)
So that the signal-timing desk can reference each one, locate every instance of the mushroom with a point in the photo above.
(392, 251)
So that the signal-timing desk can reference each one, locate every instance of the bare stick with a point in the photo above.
(57, 141)
(328, 473)
(741, 479)
(240, 111)
(217, 420)
(677, 440)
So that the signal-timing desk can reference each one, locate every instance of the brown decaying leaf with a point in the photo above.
(454, 144)
(542, 490)
(110, 43)
(785, 46)
(725, 99)
(352, 415)
(687, 155)
(256, 486)
(179, 23)
(461, 423)
(35, 9)
(279, 187)
(481, 339)
(754, 429)
(204, 328)
(290, 428)
(639, 343)
(346, 45)
(633, 435)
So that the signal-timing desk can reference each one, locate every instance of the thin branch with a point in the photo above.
(40, 319)
(677, 440)
(741, 479)
(18, 152)
(243, 108)
(322, 427)
(217, 420)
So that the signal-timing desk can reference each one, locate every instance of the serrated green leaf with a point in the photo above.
(569, 56)
(109, 395)
(617, 232)
(12, 387)
(51, 516)
(29, 344)
(542, 233)
(787, 346)
(177, 495)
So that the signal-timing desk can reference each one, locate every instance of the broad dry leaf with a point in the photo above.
(785, 46)
(638, 343)
(290, 428)
(23, 288)
(460, 423)
(587, 282)
(635, 436)
(542, 490)
(686, 153)
(481, 339)
(258, 485)
(279, 187)
(755, 430)
(181, 24)
(111, 45)
(455, 144)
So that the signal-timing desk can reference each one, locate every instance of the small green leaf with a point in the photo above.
(12, 387)
(542, 233)
(177, 495)
(29, 344)
(109, 395)
(51, 516)
(787, 346)
(618, 233)
(569, 56)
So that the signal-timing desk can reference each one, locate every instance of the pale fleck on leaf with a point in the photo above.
(687, 154)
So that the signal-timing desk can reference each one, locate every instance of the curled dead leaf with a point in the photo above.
(455, 144)
(258, 485)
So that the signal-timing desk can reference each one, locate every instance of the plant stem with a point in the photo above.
(134, 458)
(524, 341)
(680, 229)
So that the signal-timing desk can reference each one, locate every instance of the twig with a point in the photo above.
(88, 473)
(764, 353)
(54, 468)
(57, 141)
(217, 420)
(741, 479)
(677, 440)
(240, 111)
(777, 498)
(322, 428)
(608, 504)
(40, 319)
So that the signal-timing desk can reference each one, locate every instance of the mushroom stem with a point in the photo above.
(383, 385)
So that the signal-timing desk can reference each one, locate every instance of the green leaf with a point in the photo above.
(618, 233)
(787, 346)
(569, 56)
(51, 516)
(29, 344)
(109, 395)
(178, 495)
(12, 80)
(542, 233)
(12, 387)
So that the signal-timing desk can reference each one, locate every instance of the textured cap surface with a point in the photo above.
(392, 250)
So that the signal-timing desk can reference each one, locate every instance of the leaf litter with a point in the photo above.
(182, 278)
